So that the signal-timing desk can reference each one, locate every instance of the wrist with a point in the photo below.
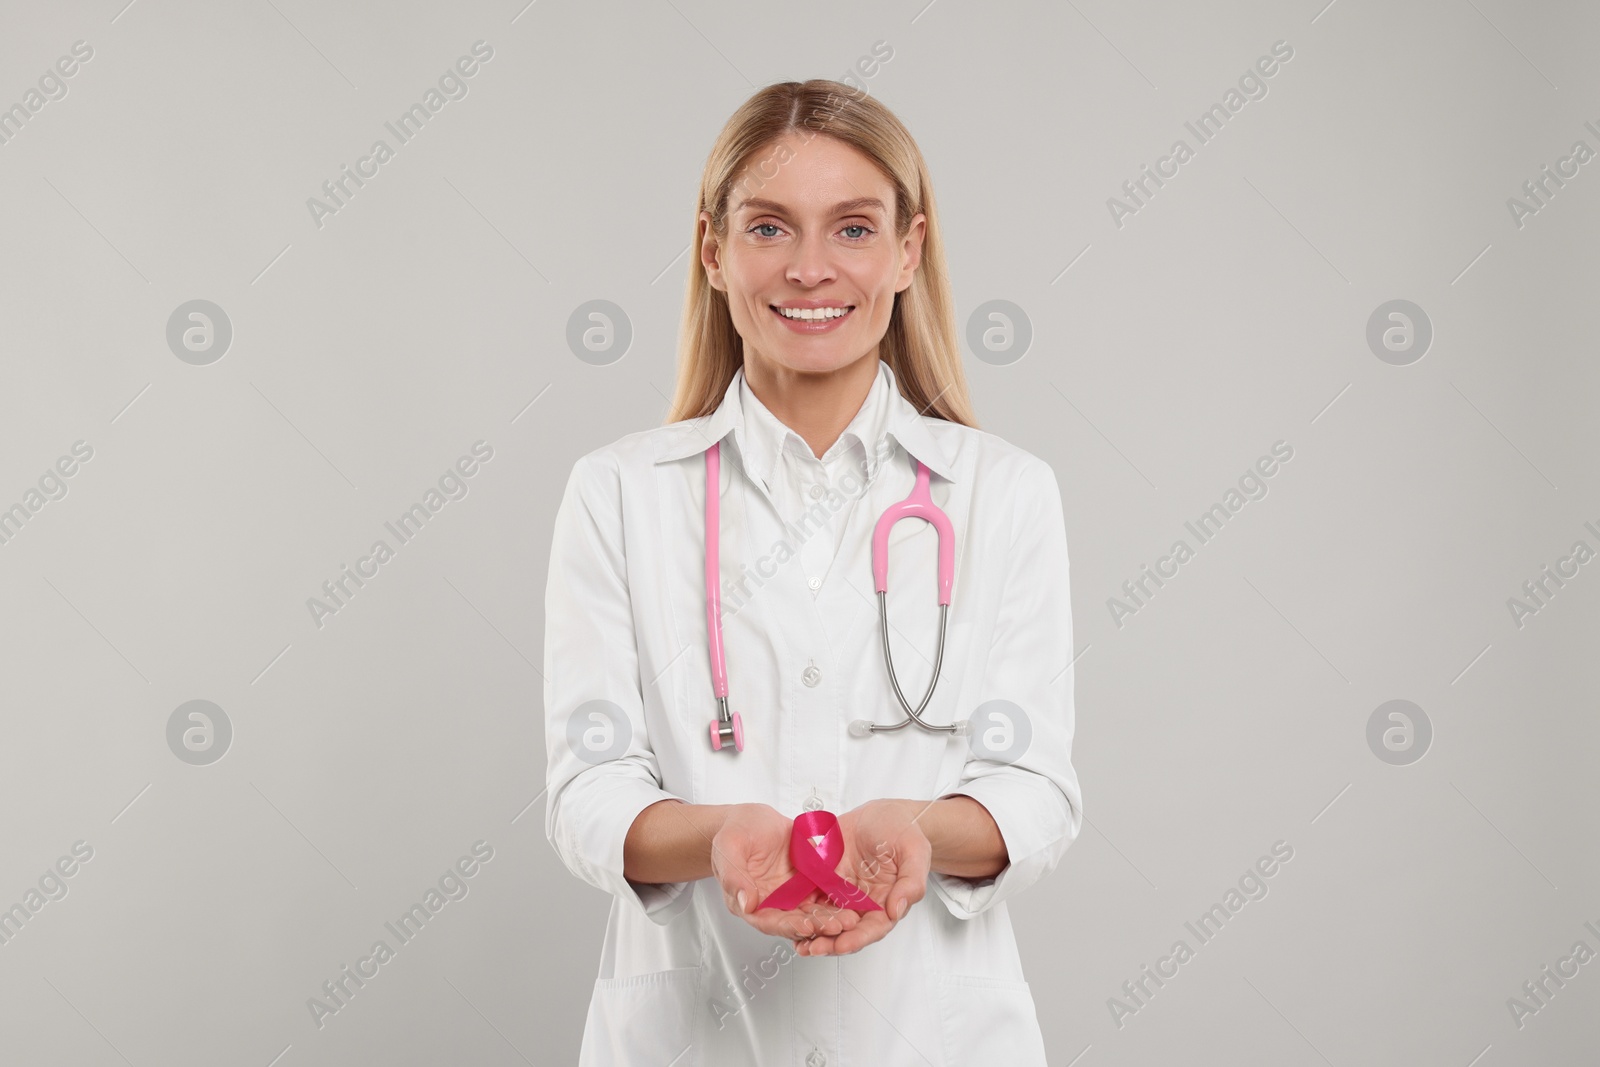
(932, 819)
(898, 813)
(720, 815)
(939, 820)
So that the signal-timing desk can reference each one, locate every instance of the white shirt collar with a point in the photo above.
(902, 422)
(763, 436)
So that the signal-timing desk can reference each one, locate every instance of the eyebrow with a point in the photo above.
(841, 208)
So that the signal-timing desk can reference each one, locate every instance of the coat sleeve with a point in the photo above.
(601, 771)
(1029, 787)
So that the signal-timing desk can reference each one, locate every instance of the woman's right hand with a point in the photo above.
(750, 857)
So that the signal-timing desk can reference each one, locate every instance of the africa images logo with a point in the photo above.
(453, 85)
(453, 885)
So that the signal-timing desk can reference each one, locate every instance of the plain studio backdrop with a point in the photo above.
(223, 384)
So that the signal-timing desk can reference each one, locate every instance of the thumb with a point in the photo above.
(910, 887)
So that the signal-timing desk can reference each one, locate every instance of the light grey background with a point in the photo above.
(1168, 354)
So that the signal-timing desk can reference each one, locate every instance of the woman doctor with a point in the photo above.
(819, 354)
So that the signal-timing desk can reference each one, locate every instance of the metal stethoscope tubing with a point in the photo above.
(866, 728)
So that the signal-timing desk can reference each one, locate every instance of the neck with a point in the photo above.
(815, 405)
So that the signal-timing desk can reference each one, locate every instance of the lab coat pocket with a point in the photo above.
(647, 1018)
(989, 1020)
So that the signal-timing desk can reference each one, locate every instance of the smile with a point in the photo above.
(812, 314)
(812, 320)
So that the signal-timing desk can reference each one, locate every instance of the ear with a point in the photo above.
(710, 252)
(911, 251)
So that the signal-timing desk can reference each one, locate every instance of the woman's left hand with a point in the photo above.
(888, 856)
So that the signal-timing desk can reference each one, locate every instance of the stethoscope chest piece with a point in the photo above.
(727, 728)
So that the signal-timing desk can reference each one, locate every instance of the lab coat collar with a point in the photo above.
(905, 424)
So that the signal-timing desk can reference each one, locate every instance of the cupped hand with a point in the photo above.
(750, 857)
(888, 857)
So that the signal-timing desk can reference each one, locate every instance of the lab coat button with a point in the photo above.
(816, 492)
(811, 676)
(813, 803)
(816, 1059)
(814, 583)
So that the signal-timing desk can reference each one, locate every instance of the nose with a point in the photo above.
(811, 264)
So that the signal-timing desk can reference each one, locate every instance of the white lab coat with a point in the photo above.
(628, 702)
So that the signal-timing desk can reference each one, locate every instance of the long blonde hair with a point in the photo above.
(920, 344)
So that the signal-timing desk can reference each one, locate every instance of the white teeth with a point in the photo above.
(812, 314)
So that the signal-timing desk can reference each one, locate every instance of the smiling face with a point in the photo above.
(810, 262)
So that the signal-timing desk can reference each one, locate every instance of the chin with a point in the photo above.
(815, 362)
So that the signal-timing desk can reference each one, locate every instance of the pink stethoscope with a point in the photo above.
(919, 504)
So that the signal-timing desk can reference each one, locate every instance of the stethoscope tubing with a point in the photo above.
(729, 726)
(918, 504)
(938, 663)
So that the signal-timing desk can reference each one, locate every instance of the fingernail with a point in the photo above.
(900, 909)
(741, 901)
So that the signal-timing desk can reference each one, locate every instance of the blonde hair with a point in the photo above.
(920, 344)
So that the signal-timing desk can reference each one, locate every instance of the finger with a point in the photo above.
(816, 946)
(909, 887)
(819, 922)
(829, 919)
(738, 892)
(806, 937)
(793, 924)
(872, 928)
(809, 918)
(732, 871)
(781, 924)
(821, 945)
(852, 940)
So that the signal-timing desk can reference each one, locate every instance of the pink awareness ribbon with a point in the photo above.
(815, 865)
